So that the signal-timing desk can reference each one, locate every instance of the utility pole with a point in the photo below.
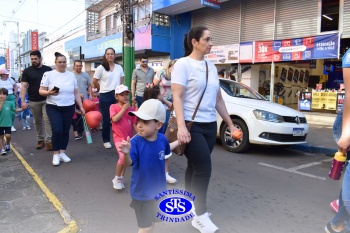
(128, 39)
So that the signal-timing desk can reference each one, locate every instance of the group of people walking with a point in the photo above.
(138, 129)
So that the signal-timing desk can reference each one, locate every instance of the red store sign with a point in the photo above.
(35, 41)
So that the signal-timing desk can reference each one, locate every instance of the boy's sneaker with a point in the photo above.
(3, 152)
(13, 129)
(29, 128)
(64, 158)
(24, 128)
(335, 205)
(204, 224)
(78, 137)
(7, 147)
(170, 179)
(118, 183)
(56, 160)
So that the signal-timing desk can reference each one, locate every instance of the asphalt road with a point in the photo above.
(268, 189)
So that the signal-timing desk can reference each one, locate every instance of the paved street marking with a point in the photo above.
(67, 218)
(296, 168)
(309, 164)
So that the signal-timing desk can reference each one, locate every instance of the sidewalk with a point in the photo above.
(320, 138)
(24, 207)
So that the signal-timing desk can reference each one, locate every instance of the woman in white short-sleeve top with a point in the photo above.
(61, 89)
(188, 81)
(107, 77)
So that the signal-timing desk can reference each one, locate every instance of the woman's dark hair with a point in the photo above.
(195, 33)
(151, 92)
(57, 55)
(105, 63)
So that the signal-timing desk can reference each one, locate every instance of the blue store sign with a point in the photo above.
(211, 3)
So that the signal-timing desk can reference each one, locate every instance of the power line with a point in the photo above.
(15, 11)
(74, 18)
(65, 35)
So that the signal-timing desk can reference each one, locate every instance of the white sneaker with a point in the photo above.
(64, 158)
(56, 160)
(13, 129)
(24, 128)
(107, 145)
(118, 183)
(169, 179)
(204, 224)
(29, 128)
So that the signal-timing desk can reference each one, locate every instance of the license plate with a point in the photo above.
(298, 132)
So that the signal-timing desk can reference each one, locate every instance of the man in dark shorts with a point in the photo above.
(31, 79)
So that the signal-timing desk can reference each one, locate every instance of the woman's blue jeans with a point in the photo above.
(106, 100)
(60, 118)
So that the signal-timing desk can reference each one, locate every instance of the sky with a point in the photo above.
(52, 16)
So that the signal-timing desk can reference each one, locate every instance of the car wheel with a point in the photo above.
(236, 146)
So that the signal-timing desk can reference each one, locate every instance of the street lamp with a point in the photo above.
(18, 46)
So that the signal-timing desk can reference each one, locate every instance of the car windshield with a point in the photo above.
(239, 90)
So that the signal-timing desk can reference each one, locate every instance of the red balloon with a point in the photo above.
(89, 105)
(93, 119)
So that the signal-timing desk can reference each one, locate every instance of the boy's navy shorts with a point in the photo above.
(145, 212)
(5, 130)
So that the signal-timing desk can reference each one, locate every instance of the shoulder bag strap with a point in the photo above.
(200, 100)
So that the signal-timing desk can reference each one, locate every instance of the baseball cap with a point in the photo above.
(4, 71)
(151, 109)
(121, 88)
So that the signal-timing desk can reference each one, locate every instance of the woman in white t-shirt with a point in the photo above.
(107, 77)
(61, 89)
(188, 81)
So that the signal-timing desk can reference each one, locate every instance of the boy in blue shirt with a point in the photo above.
(7, 114)
(146, 153)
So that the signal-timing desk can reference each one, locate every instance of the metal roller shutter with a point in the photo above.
(257, 20)
(296, 18)
(223, 24)
(346, 19)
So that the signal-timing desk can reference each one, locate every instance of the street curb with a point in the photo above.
(313, 149)
(72, 226)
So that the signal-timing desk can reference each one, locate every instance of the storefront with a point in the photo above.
(91, 52)
(279, 47)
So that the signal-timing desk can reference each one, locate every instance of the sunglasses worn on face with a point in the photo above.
(145, 61)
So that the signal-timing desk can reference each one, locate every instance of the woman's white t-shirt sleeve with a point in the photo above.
(11, 81)
(45, 80)
(179, 73)
(98, 72)
(121, 71)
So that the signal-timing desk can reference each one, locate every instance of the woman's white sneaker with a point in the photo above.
(64, 158)
(107, 145)
(170, 179)
(204, 224)
(56, 160)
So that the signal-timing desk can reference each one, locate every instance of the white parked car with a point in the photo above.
(261, 121)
